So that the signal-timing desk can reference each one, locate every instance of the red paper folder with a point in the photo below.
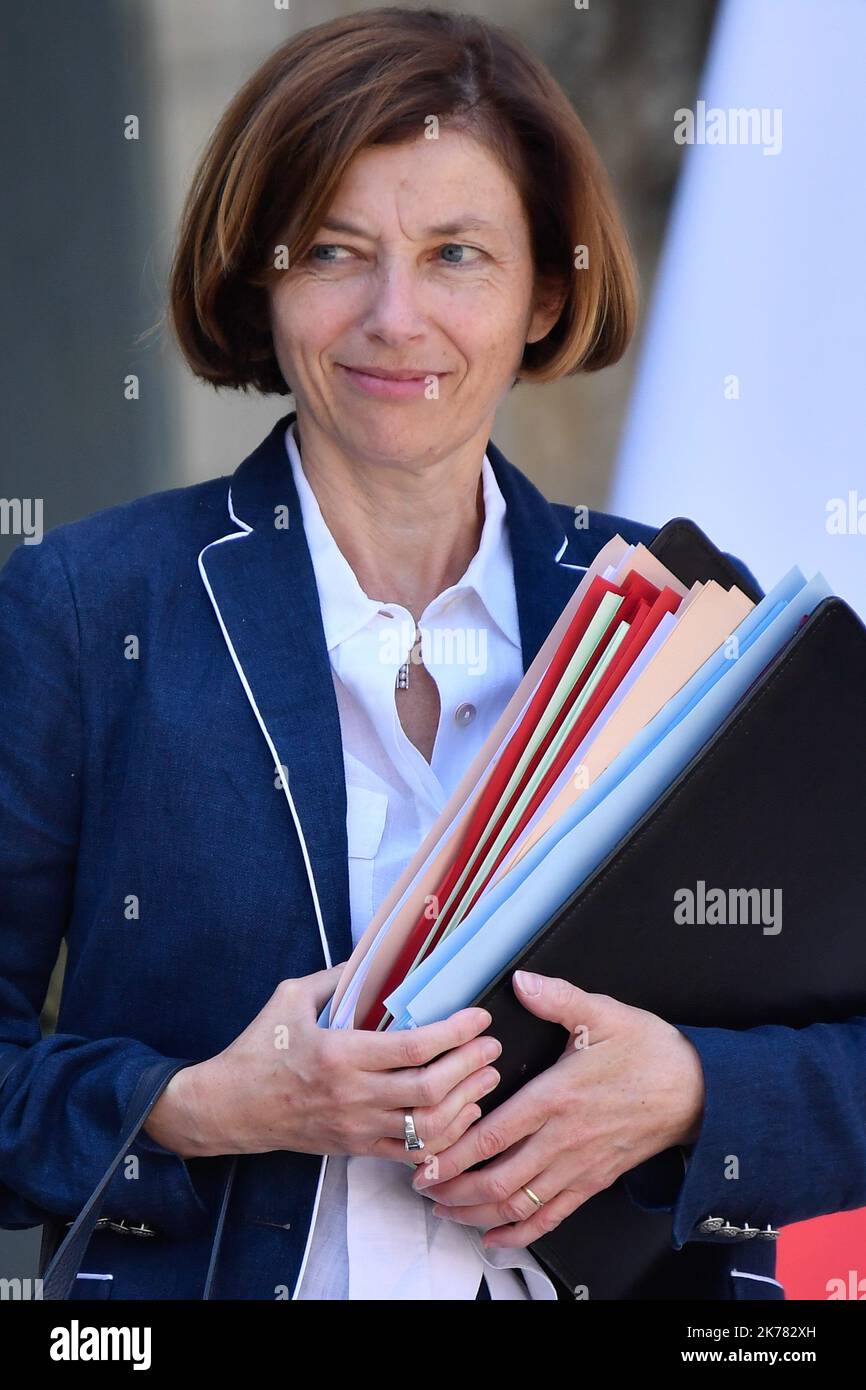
(643, 606)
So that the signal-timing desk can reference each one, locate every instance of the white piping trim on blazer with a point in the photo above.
(233, 536)
(763, 1278)
(313, 1218)
(561, 551)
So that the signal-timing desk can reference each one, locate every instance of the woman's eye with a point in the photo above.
(325, 247)
(457, 246)
(455, 253)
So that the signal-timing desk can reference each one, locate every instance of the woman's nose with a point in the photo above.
(395, 307)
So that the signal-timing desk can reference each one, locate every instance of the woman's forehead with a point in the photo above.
(444, 188)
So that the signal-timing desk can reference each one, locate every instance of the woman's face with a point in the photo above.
(423, 265)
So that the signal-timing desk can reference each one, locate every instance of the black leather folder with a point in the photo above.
(775, 799)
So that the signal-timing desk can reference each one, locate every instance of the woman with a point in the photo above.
(216, 759)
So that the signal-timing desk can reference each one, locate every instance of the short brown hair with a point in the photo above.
(273, 165)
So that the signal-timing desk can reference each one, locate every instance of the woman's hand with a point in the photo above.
(285, 1083)
(627, 1086)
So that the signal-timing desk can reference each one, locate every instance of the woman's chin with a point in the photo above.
(388, 445)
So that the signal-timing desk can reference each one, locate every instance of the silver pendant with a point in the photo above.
(402, 681)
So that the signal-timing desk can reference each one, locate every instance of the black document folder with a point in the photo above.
(774, 800)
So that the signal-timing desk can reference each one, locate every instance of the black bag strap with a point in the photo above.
(63, 1269)
(220, 1227)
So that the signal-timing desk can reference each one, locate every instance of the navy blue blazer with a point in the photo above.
(158, 660)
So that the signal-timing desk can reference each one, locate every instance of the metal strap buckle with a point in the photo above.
(122, 1227)
(714, 1225)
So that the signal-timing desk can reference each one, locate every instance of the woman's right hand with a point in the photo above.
(286, 1083)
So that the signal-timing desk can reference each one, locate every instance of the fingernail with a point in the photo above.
(529, 983)
(492, 1050)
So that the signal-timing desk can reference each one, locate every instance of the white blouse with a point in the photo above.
(375, 1237)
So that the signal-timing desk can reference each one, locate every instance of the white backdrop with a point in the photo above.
(762, 291)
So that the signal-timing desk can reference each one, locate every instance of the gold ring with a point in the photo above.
(532, 1197)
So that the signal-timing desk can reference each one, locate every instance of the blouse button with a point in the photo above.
(464, 714)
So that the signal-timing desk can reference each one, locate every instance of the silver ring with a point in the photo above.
(532, 1197)
(411, 1139)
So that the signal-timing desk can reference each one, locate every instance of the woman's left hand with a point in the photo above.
(627, 1086)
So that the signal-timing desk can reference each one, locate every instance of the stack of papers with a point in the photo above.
(636, 675)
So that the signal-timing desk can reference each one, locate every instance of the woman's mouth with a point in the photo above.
(391, 385)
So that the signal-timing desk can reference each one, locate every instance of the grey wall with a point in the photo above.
(76, 251)
(79, 282)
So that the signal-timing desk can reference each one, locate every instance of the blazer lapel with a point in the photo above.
(545, 575)
(262, 586)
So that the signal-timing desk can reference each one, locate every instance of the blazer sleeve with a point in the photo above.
(783, 1134)
(64, 1099)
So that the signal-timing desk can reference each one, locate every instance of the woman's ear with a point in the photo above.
(550, 296)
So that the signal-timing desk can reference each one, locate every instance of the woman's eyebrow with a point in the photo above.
(466, 223)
